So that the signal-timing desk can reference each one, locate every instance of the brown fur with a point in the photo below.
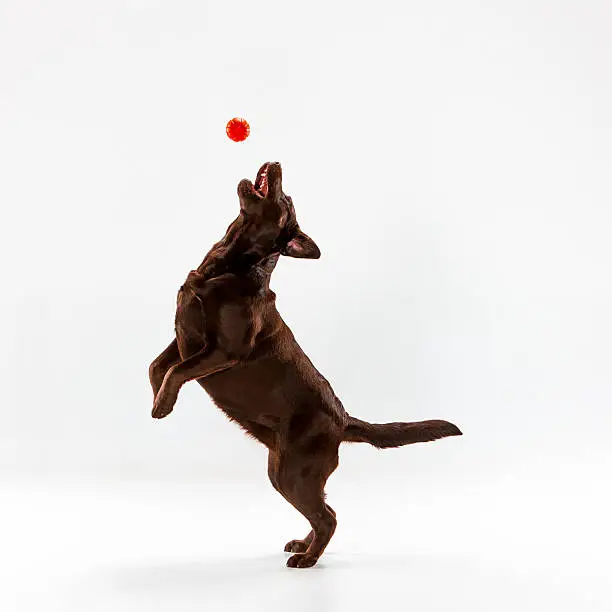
(232, 340)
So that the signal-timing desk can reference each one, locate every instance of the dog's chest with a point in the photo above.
(230, 310)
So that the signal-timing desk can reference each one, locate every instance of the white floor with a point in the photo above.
(181, 547)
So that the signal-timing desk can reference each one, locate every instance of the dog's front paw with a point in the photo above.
(162, 406)
(302, 560)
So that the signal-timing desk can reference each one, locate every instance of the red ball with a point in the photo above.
(237, 129)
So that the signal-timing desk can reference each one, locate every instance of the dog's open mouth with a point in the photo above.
(261, 183)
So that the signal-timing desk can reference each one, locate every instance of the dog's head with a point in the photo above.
(270, 216)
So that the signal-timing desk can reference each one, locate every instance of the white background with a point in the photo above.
(452, 161)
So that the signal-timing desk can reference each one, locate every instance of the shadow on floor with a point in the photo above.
(339, 582)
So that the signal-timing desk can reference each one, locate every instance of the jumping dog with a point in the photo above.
(231, 339)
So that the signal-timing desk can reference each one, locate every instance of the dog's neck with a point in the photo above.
(233, 254)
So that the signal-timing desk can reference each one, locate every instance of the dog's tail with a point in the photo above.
(390, 435)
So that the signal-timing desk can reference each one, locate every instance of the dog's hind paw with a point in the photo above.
(296, 546)
(302, 560)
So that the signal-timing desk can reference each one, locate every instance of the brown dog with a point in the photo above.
(232, 340)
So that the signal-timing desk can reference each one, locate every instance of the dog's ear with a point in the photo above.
(302, 246)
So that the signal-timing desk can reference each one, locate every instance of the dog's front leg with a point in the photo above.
(161, 364)
(204, 363)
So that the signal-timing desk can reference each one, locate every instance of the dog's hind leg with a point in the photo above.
(161, 364)
(300, 478)
(300, 546)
